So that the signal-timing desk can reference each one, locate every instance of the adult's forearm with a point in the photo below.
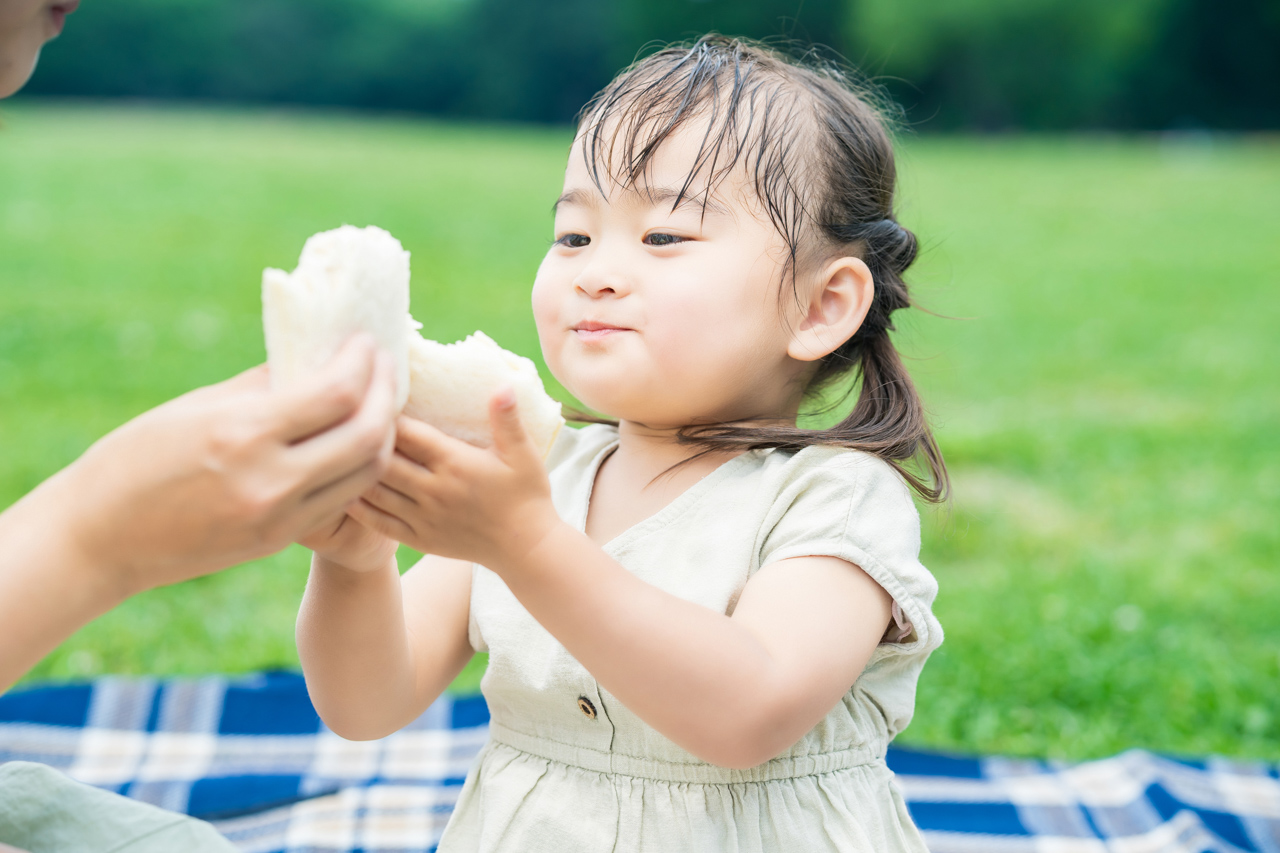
(692, 673)
(354, 649)
(48, 588)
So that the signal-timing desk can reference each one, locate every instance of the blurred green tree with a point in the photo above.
(374, 53)
(962, 64)
(1053, 64)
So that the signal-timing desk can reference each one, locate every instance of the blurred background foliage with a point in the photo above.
(961, 64)
(1107, 404)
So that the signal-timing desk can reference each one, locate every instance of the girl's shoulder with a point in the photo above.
(828, 471)
(833, 501)
(846, 492)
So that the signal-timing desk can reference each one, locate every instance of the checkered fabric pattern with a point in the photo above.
(251, 756)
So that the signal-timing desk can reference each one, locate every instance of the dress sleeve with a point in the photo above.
(853, 506)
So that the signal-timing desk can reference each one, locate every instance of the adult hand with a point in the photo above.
(216, 477)
(232, 472)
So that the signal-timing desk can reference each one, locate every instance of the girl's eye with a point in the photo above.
(574, 241)
(663, 239)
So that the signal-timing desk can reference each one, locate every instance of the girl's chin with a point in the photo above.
(601, 395)
(602, 406)
(608, 405)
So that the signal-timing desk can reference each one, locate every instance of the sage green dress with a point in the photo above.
(569, 768)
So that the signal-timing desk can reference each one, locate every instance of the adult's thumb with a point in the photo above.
(330, 395)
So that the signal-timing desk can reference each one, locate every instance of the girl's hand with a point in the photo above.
(446, 497)
(345, 542)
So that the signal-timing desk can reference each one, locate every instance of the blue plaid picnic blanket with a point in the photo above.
(251, 756)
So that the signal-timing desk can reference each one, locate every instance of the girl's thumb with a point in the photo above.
(508, 432)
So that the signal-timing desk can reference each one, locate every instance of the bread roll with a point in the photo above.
(451, 385)
(348, 280)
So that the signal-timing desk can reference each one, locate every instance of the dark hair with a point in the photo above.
(821, 161)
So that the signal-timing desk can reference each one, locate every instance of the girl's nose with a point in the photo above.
(596, 281)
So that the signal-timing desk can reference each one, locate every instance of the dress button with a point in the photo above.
(588, 710)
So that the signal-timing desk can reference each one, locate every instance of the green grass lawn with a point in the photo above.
(1103, 382)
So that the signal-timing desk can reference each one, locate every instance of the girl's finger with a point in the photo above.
(510, 440)
(422, 442)
(380, 522)
(390, 501)
(406, 476)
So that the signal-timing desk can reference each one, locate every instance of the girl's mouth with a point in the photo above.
(590, 330)
(596, 334)
(59, 12)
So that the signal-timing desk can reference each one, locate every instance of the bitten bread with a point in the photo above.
(451, 384)
(348, 280)
(353, 280)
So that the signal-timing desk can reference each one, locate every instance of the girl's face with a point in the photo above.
(25, 25)
(667, 317)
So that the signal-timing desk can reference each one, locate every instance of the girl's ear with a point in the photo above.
(838, 303)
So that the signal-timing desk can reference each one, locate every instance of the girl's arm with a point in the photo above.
(376, 648)
(735, 691)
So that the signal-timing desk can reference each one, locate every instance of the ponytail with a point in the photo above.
(888, 421)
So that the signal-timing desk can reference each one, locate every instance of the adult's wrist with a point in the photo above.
(87, 552)
(54, 519)
(49, 587)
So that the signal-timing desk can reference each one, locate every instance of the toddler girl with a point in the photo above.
(704, 623)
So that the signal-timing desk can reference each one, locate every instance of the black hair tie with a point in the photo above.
(888, 243)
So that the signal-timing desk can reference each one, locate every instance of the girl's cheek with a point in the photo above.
(691, 304)
(546, 318)
(542, 298)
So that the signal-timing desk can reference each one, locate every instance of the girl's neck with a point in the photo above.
(651, 447)
(651, 451)
(655, 448)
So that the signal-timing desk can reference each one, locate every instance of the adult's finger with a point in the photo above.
(333, 501)
(324, 529)
(363, 438)
(327, 397)
(334, 496)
